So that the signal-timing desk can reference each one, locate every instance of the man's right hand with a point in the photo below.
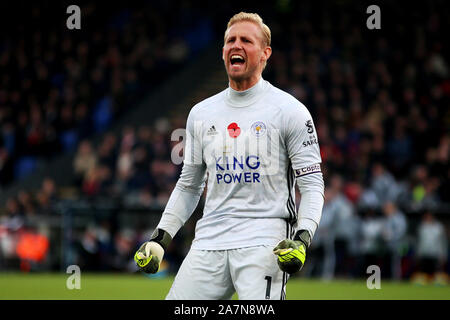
(149, 256)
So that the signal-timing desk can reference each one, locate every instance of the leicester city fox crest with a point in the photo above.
(258, 128)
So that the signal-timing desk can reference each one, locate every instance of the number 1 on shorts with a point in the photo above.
(269, 283)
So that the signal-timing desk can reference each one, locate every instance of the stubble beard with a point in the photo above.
(242, 76)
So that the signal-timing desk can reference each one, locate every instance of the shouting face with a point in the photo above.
(244, 54)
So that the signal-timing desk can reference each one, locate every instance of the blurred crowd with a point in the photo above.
(380, 102)
(355, 235)
(379, 99)
(58, 86)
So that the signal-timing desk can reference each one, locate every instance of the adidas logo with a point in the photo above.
(211, 131)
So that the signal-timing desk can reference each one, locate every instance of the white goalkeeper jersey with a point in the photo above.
(249, 146)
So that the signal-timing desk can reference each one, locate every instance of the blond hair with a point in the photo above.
(256, 19)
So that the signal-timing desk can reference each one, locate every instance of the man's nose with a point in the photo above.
(237, 44)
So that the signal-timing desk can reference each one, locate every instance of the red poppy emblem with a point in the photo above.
(233, 130)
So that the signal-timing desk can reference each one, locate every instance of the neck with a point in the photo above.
(243, 98)
(244, 84)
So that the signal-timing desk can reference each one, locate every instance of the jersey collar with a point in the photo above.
(246, 97)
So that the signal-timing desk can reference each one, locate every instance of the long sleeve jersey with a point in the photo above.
(249, 148)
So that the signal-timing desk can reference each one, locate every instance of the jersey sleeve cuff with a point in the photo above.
(170, 223)
(307, 224)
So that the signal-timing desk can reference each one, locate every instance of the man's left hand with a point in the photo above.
(292, 253)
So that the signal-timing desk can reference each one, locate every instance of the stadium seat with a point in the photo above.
(69, 140)
(24, 166)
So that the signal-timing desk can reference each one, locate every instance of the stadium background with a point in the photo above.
(86, 118)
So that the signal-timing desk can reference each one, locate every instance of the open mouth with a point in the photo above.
(237, 59)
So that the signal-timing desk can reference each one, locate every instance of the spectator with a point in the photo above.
(371, 248)
(431, 250)
(84, 161)
(14, 218)
(384, 184)
(336, 231)
(107, 153)
(393, 234)
(26, 203)
(91, 184)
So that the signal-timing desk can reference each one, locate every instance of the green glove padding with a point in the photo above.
(148, 263)
(150, 254)
(292, 253)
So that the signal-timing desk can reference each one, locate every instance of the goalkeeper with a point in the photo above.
(251, 144)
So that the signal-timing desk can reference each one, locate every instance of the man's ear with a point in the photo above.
(267, 52)
(223, 53)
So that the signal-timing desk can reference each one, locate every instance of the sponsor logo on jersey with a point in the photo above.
(310, 142)
(211, 131)
(315, 168)
(238, 169)
(233, 130)
(258, 128)
(310, 127)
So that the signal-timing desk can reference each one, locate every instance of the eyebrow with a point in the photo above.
(243, 37)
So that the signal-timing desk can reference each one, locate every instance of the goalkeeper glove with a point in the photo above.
(292, 253)
(150, 254)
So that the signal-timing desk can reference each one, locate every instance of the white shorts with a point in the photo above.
(252, 272)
